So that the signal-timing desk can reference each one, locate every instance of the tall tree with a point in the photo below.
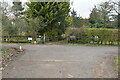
(7, 27)
(1, 20)
(103, 15)
(96, 18)
(106, 9)
(74, 13)
(17, 10)
(51, 13)
(117, 10)
(76, 21)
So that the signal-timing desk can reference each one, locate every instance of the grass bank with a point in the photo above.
(7, 54)
(66, 43)
(78, 44)
(117, 62)
(75, 44)
(3, 50)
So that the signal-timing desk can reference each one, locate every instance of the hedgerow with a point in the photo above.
(88, 35)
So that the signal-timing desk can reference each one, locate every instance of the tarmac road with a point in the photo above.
(61, 61)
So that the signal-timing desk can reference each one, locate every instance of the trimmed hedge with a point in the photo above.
(87, 35)
(20, 39)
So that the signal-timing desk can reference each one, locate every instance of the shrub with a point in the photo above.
(87, 35)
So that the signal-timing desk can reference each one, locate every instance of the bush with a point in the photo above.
(88, 35)
(23, 39)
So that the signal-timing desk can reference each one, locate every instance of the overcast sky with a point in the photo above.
(83, 7)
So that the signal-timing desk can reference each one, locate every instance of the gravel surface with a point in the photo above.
(59, 61)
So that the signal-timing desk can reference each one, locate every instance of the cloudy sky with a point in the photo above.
(83, 7)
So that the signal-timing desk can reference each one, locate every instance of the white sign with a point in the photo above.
(29, 38)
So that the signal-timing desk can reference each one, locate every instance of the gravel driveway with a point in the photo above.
(60, 61)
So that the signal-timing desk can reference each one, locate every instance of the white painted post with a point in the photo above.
(44, 38)
(21, 49)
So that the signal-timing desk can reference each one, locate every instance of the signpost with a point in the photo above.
(29, 38)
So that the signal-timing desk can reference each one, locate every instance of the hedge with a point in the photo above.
(21, 39)
(87, 35)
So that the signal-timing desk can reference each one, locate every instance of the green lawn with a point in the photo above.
(117, 61)
(75, 44)
(80, 44)
(3, 50)
(65, 43)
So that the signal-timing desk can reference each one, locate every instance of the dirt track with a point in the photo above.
(59, 61)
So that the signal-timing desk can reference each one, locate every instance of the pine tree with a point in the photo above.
(51, 13)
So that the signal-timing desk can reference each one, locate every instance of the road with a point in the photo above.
(62, 61)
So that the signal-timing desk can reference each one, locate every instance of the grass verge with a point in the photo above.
(78, 44)
(65, 43)
(3, 50)
(117, 62)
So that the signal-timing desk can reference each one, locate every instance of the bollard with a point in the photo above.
(21, 49)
